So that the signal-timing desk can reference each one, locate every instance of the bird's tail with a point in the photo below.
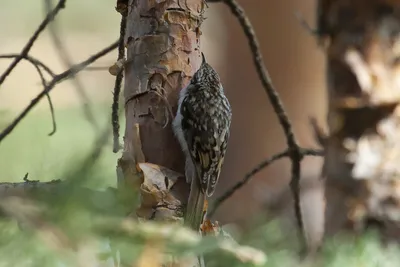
(195, 207)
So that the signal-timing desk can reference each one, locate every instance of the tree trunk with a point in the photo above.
(163, 52)
(362, 150)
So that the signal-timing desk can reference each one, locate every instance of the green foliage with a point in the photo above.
(90, 229)
(71, 226)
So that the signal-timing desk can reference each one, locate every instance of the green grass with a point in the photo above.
(30, 149)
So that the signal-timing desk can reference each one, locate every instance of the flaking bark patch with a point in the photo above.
(163, 52)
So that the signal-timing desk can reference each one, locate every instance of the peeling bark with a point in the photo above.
(362, 41)
(163, 52)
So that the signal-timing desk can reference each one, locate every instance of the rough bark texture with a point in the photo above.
(163, 51)
(362, 150)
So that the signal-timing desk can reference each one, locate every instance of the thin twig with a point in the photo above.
(228, 193)
(319, 135)
(312, 152)
(57, 79)
(97, 68)
(32, 60)
(50, 16)
(117, 87)
(66, 60)
(37, 64)
(294, 149)
(305, 24)
(53, 117)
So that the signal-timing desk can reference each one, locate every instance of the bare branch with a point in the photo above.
(228, 193)
(37, 64)
(97, 68)
(27, 187)
(32, 40)
(32, 60)
(294, 149)
(44, 83)
(117, 87)
(22, 188)
(57, 79)
(66, 59)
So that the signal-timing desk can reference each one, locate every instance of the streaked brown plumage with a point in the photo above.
(202, 127)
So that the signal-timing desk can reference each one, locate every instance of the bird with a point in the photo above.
(202, 127)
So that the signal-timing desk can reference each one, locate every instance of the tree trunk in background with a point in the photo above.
(363, 148)
(295, 63)
(163, 51)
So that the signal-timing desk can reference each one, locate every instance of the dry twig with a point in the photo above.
(294, 149)
(47, 86)
(44, 83)
(117, 87)
(32, 60)
(38, 65)
(24, 53)
(228, 193)
(57, 79)
(66, 59)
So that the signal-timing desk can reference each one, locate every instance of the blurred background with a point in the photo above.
(290, 53)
